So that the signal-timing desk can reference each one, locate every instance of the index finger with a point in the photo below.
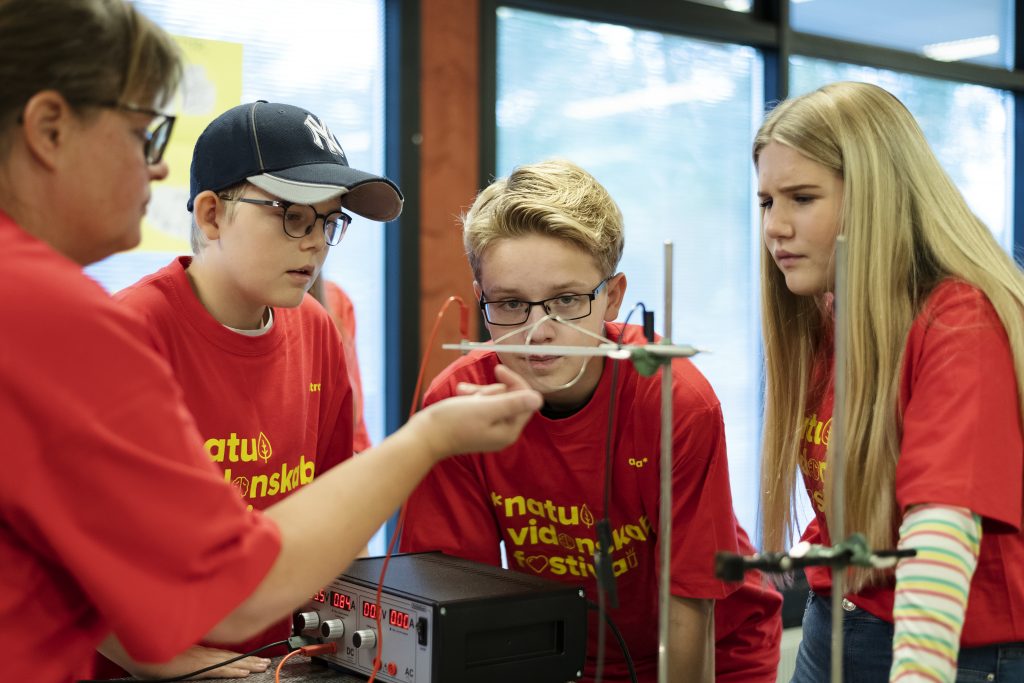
(468, 389)
(510, 378)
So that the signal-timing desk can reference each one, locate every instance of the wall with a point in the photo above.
(450, 162)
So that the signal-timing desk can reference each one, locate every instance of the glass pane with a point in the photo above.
(970, 127)
(734, 5)
(344, 87)
(979, 31)
(665, 123)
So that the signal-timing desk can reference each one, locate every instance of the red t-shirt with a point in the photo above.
(274, 410)
(112, 517)
(339, 305)
(961, 446)
(543, 495)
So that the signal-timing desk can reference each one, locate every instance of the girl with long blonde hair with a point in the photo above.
(934, 343)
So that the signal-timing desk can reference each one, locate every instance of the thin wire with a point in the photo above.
(280, 665)
(606, 510)
(464, 317)
(531, 329)
(548, 388)
(182, 677)
(611, 409)
(601, 612)
(622, 641)
(557, 319)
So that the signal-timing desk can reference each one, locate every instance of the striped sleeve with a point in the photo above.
(931, 592)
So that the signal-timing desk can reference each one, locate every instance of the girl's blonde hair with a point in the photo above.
(556, 198)
(907, 228)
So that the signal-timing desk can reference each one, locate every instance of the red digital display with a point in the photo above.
(400, 619)
(396, 618)
(341, 601)
(320, 596)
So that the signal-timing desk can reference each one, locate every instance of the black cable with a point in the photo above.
(599, 668)
(611, 411)
(603, 572)
(602, 558)
(183, 677)
(618, 637)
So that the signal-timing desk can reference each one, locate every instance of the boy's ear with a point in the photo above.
(477, 292)
(204, 210)
(616, 294)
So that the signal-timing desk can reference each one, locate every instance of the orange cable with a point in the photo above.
(464, 331)
(307, 650)
(277, 672)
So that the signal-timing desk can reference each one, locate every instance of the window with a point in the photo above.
(734, 5)
(666, 124)
(980, 31)
(969, 127)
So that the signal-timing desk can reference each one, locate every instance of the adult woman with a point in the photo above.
(110, 511)
(935, 366)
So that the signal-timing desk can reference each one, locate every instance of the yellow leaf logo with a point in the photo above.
(586, 516)
(263, 449)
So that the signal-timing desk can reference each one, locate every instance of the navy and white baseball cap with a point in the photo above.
(289, 153)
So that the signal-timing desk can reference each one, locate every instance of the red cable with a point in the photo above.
(308, 650)
(464, 331)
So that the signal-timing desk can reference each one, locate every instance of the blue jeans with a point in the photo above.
(867, 651)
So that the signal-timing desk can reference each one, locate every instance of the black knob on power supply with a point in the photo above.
(364, 637)
(332, 629)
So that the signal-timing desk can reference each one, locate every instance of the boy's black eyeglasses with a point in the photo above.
(565, 306)
(158, 133)
(298, 220)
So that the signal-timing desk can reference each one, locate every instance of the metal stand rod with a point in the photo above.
(614, 352)
(837, 458)
(665, 507)
(851, 552)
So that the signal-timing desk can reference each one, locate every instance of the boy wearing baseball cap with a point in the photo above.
(261, 363)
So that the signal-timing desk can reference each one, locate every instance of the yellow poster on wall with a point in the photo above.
(212, 84)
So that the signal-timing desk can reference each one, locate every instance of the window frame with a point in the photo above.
(765, 27)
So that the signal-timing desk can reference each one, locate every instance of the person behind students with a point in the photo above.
(934, 339)
(544, 241)
(114, 524)
(262, 365)
(339, 306)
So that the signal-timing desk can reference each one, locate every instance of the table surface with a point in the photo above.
(298, 669)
